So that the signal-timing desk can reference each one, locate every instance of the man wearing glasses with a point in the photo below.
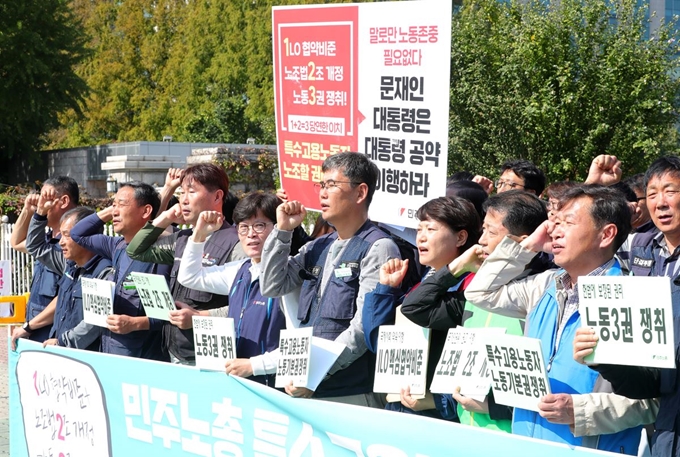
(334, 273)
(520, 174)
(204, 188)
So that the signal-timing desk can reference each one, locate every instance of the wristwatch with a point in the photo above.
(27, 327)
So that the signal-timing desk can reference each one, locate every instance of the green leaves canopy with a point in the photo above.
(558, 84)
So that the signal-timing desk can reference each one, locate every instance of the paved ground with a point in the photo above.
(4, 395)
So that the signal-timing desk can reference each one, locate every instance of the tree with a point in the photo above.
(559, 83)
(41, 42)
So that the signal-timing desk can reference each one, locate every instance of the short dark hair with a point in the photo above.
(144, 194)
(211, 176)
(357, 167)
(662, 166)
(636, 182)
(609, 206)
(470, 191)
(78, 214)
(65, 185)
(459, 176)
(522, 212)
(248, 206)
(626, 190)
(533, 177)
(455, 212)
(230, 202)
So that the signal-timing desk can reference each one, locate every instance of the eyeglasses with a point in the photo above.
(500, 184)
(258, 227)
(330, 185)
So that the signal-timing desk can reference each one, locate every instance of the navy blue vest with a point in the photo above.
(44, 287)
(330, 311)
(218, 248)
(144, 343)
(69, 311)
(258, 320)
(644, 261)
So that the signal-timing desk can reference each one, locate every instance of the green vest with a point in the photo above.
(479, 318)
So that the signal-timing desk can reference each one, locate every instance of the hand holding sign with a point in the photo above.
(290, 215)
(393, 271)
(121, 324)
(470, 404)
(585, 341)
(416, 404)
(208, 222)
(298, 392)
(557, 408)
(239, 367)
(182, 317)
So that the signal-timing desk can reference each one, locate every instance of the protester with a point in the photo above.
(447, 227)
(204, 188)
(591, 223)
(257, 320)
(130, 332)
(514, 212)
(653, 254)
(521, 174)
(63, 196)
(334, 272)
(74, 263)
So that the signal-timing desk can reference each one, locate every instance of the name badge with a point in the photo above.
(343, 272)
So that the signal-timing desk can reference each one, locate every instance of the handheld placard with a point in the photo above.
(155, 295)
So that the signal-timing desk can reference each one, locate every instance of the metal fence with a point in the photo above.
(21, 264)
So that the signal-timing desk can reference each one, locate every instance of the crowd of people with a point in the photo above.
(488, 254)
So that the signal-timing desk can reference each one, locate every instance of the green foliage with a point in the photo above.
(198, 70)
(41, 41)
(255, 174)
(227, 123)
(12, 199)
(558, 84)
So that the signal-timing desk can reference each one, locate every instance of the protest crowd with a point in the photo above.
(504, 254)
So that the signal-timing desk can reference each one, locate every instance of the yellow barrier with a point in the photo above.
(18, 309)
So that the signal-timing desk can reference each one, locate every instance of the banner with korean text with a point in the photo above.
(74, 403)
(371, 78)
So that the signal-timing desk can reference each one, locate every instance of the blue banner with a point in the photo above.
(69, 403)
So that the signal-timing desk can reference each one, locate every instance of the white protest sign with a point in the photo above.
(155, 295)
(401, 359)
(214, 341)
(324, 354)
(97, 300)
(463, 364)
(371, 78)
(295, 347)
(632, 317)
(518, 376)
(5, 287)
(63, 407)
